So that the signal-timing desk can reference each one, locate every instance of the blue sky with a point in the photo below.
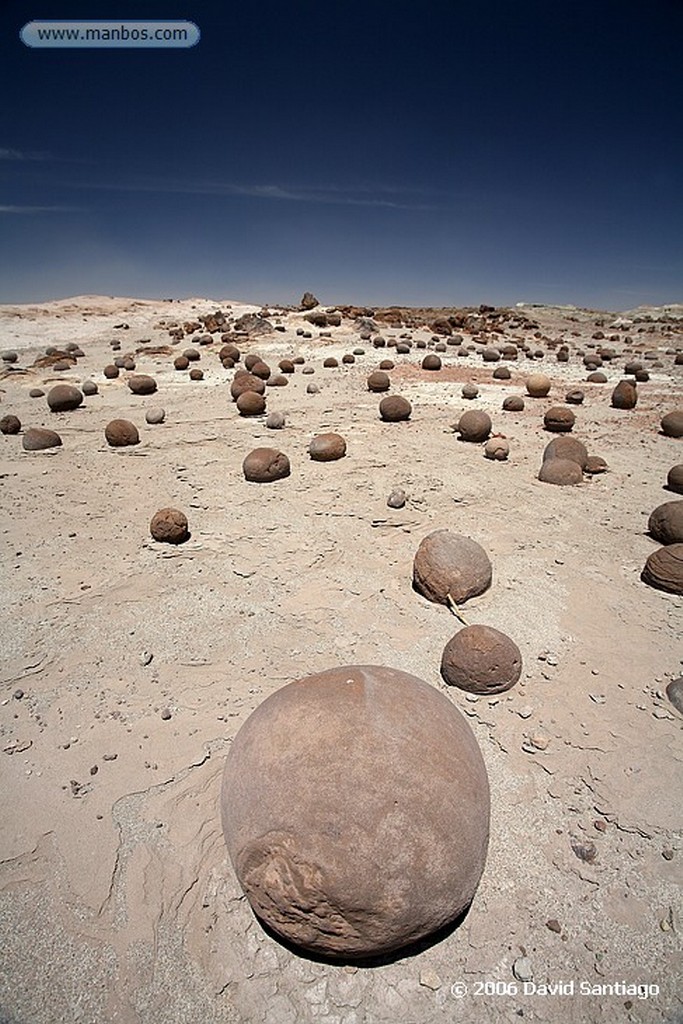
(448, 153)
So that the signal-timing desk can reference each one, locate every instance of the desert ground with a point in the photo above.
(128, 665)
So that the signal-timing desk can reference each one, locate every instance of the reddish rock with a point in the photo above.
(624, 395)
(566, 448)
(111, 372)
(559, 419)
(249, 403)
(449, 564)
(327, 447)
(666, 523)
(64, 398)
(481, 660)
(378, 381)
(355, 809)
(674, 478)
(169, 525)
(474, 425)
(244, 381)
(36, 439)
(594, 465)
(431, 362)
(560, 471)
(263, 465)
(664, 569)
(10, 425)
(672, 423)
(142, 384)
(394, 408)
(538, 385)
(121, 433)
(513, 403)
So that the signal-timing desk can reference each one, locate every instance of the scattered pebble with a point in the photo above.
(146, 657)
(166, 714)
(522, 969)
(525, 712)
(554, 925)
(430, 979)
(18, 694)
(585, 851)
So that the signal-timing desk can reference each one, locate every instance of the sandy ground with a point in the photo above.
(117, 901)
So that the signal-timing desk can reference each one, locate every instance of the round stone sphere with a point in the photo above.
(64, 398)
(624, 395)
(395, 408)
(39, 393)
(275, 420)
(594, 465)
(386, 364)
(448, 564)
(89, 387)
(560, 471)
(121, 433)
(142, 384)
(482, 660)
(497, 448)
(36, 439)
(261, 370)
(672, 424)
(664, 569)
(277, 380)
(355, 808)
(286, 366)
(251, 359)
(674, 478)
(559, 419)
(327, 447)
(666, 523)
(330, 362)
(566, 448)
(10, 425)
(155, 415)
(513, 403)
(474, 425)
(469, 391)
(111, 372)
(502, 373)
(245, 381)
(169, 525)
(263, 465)
(249, 403)
(537, 385)
(597, 377)
(431, 362)
(575, 396)
(181, 362)
(378, 381)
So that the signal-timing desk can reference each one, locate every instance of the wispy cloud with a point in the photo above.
(380, 196)
(21, 155)
(41, 209)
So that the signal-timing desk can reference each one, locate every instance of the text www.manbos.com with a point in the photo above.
(109, 34)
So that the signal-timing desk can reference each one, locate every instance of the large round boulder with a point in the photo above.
(37, 439)
(142, 384)
(394, 408)
(666, 523)
(355, 808)
(537, 385)
(449, 565)
(64, 398)
(121, 433)
(624, 395)
(245, 381)
(664, 569)
(566, 448)
(672, 423)
(560, 471)
(378, 381)
(263, 465)
(559, 419)
(481, 659)
(327, 447)
(249, 403)
(474, 425)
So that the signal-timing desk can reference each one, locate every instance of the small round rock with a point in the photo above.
(666, 523)
(397, 498)
(249, 403)
(538, 385)
(482, 660)
(263, 465)
(560, 471)
(513, 403)
(169, 526)
(672, 423)
(474, 425)
(559, 419)
(674, 478)
(378, 381)
(664, 569)
(10, 425)
(36, 439)
(142, 384)
(155, 415)
(395, 408)
(275, 420)
(327, 447)
(89, 387)
(497, 448)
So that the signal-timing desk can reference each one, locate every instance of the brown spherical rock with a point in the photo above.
(674, 478)
(36, 393)
(431, 362)
(469, 391)
(275, 420)
(181, 362)
(169, 526)
(597, 377)
(672, 424)
(394, 408)
(559, 419)
(286, 366)
(666, 523)
(481, 660)
(566, 448)
(10, 425)
(277, 380)
(246, 382)
(111, 372)
(355, 808)
(249, 403)
(575, 396)
(513, 403)
(538, 385)
(560, 471)
(624, 395)
(448, 563)
(594, 465)
(664, 569)
(142, 384)
(327, 447)
(263, 465)
(64, 398)
(330, 362)
(497, 448)
(121, 433)
(196, 374)
(378, 381)
(36, 439)
(474, 425)
(89, 387)
(260, 369)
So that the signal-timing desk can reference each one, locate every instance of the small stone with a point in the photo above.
(554, 925)
(522, 969)
(109, 757)
(540, 741)
(397, 498)
(275, 420)
(585, 851)
(94, 770)
(430, 979)
(10, 425)
(165, 714)
(668, 854)
(18, 694)
(600, 824)
(155, 415)
(525, 712)
(39, 438)
(146, 657)
(169, 526)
